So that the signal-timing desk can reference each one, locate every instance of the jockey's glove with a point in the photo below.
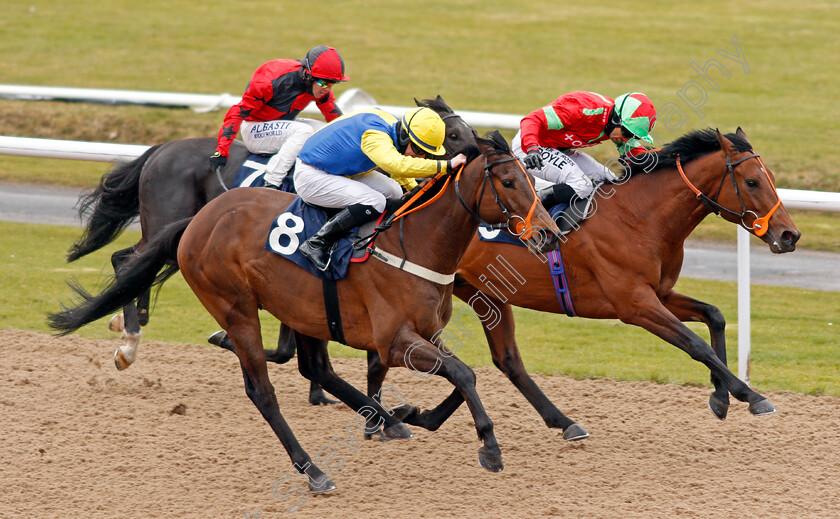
(217, 160)
(533, 160)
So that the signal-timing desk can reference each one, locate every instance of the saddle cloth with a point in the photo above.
(298, 223)
(252, 172)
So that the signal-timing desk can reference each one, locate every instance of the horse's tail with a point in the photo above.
(151, 266)
(110, 207)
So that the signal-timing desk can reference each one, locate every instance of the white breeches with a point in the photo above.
(575, 168)
(284, 139)
(318, 187)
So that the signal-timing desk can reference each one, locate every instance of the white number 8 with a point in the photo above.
(283, 229)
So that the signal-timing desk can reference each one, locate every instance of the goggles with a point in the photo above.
(325, 83)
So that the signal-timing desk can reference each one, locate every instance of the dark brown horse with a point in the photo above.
(170, 182)
(624, 261)
(384, 308)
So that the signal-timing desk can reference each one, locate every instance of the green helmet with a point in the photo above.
(637, 114)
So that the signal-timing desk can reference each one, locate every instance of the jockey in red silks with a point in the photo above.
(549, 139)
(277, 92)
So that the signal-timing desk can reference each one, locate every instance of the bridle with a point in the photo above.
(521, 229)
(760, 225)
(523, 225)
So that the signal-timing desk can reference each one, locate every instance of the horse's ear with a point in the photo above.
(417, 102)
(725, 144)
(740, 133)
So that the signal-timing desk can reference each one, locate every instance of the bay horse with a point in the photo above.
(624, 261)
(384, 308)
(172, 181)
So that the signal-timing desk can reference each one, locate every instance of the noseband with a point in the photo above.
(760, 225)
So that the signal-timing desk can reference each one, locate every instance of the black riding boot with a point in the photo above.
(556, 194)
(317, 248)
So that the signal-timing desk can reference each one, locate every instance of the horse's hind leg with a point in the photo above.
(127, 322)
(688, 309)
(502, 341)
(143, 307)
(314, 364)
(423, 358)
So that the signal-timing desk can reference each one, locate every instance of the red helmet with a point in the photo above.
(324, 62)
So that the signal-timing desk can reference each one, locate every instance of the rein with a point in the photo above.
(760, 225)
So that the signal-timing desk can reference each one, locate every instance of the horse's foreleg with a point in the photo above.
(127, 322)
(688, 309)
(314, 364)
(375, 374)
(285, 346)
(248, 344)
(650, 314)
(423, 359)
(375, 377)
(502, 341)
(285, 352)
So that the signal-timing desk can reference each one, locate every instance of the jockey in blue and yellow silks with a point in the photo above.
(336, 166)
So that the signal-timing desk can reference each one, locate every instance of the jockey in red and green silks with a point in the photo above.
(549, 139)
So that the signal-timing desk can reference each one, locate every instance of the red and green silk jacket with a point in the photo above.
(574, 120)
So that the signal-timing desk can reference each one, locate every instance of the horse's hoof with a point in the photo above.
(117, 323)
(575, 432)
(218, 338)
(490, 461)
(321, 399)
(378, 436)
(324, 484)
(718, 407)
(405, 412)
(398, 431)
(120, 361)
(762, 407)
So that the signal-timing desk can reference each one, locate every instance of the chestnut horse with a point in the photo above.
(172, 181)
(624, 261)
(384, 308)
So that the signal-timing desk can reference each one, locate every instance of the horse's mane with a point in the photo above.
(495, 140)
(438, 105)
(690, 146)
(443, 109)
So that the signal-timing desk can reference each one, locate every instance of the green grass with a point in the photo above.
(488, 55)
(794, 347)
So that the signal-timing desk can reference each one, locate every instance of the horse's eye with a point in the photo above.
(752, 183)
(507, 183)
(453, 135)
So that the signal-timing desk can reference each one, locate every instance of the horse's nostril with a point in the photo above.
(790, 237)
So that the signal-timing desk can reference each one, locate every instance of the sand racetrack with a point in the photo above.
(80, 439)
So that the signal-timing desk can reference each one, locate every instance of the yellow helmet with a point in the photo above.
(425, 129)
